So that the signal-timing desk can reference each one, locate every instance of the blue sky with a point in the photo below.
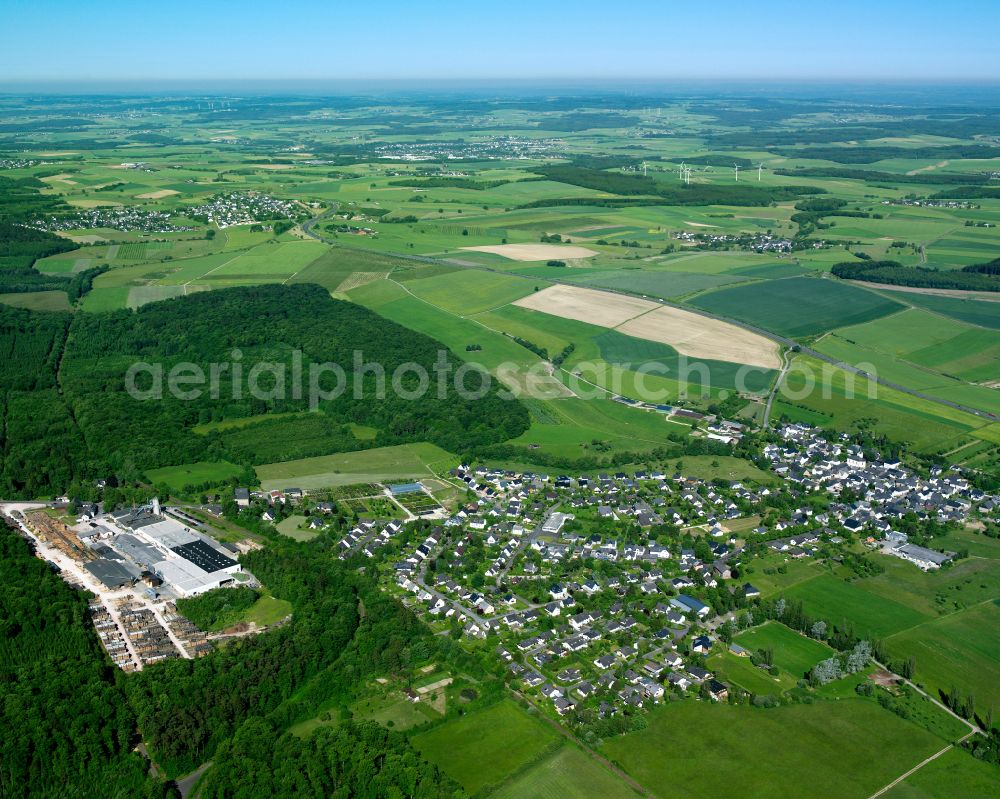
(222, 39)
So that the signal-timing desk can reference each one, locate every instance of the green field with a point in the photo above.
(176, 477)
(395, 711)
(471, 291)
(663, 284)
(366, 466)
(793, 652)
(931, 341)
(292, 527)
(968, 582)
(962, 650)
(620, 349)
(766, 752)
(850, 402)
(568, 774)
(955, 774)
(735, 670)
(510, 736)
(835, 600)
(927, 381)
(798, 306)
(38, 300)
(981, 313)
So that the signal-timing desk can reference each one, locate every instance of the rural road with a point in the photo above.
(187, 783)
(973, 730)
(795, 346)
(972, 727)
(785, 365)
(917, 768)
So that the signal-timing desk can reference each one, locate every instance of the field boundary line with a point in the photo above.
(919, 766)
(781, 339)
(987, 601)
(600, 759)
(206, 274)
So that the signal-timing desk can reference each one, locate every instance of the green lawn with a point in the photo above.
(268, 610)
(793, 652)
(366, 466)
(485, 747)
(827, 750)
(719, 467)
(292, 528)
(176, 477)
(395, 712)
(568, 774)
(730, 668)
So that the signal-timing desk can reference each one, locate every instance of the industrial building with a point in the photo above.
(143, 543)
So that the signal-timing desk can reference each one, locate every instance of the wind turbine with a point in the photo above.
(680, 171)
(737, 172)
(644, 169)
(760, 171)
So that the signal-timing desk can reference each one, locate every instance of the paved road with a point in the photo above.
(525, 541)
(186, 784)
(307, 228)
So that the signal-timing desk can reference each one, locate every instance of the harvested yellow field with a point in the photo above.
(698, 336)
(157, 195)
(535, 252)
(586, 305)
(63, 178)
(689, 333)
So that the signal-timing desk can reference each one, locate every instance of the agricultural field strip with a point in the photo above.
(783, 340)
(568, 391)
(689, 333)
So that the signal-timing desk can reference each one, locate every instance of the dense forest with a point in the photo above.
(868, 154)
(444, 182)
(65, 720)
(186, 708)
(352, 759)
(874, 176)
(189, 710)
(72, 720)
(20, 246)
(40, 441)
(85, 423)
(975, 278)
(968, 192)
